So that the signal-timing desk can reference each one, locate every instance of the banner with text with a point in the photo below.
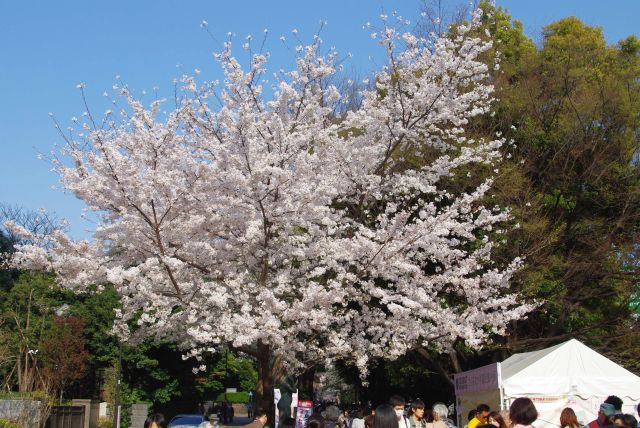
(305, 409)
(480, 379)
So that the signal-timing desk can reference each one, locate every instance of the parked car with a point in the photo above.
(189, 421)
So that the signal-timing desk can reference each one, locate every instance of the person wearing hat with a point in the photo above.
(605, 416)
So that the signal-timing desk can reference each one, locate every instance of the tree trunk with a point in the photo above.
(306, 383)
(269, 372)
(19, 372)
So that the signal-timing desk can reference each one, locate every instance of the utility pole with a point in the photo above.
(116, 401)
(226, 372)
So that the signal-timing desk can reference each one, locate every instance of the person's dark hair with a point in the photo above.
(287, 422)
(608, 420)
(417, 404)
(496, 416)
(628, 421)
(385, 416)
(429, 415)
(614, 401)
(396, 400)
(259, 412)
(360, 412)
(472, 414)
(368, 421)
(482, 408)
(158, 419)
(486, 426)
(357, 413)
(568, 418)
(315, 421)
(522, 411)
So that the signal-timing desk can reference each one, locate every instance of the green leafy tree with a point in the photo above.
(27, 315)
(572, 180)
(227, 370)
(577, 110)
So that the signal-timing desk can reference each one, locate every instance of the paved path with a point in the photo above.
(238, 421)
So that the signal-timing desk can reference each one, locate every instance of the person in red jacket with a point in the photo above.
(605, 415)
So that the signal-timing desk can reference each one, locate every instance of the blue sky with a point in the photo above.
(48, 47)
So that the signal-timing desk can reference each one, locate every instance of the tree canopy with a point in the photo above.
(292, 231)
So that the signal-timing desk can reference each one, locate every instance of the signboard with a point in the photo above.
(294, 404)
(276, 398)
(305, 409)
(480, 379)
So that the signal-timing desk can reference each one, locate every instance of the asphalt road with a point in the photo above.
(238, 421)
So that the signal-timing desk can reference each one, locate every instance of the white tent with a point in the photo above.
(566, 375)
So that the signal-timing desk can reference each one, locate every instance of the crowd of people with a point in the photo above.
(393, 414)
(396, 414)
(609, 415)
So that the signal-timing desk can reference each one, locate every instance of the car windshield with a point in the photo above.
(187, 420)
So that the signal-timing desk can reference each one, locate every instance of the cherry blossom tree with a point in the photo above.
(255, 216)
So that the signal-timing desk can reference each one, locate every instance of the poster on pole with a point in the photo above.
(305, 409)
(294, 404)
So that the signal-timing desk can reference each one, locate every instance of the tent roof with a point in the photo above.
(567, 368)
(519, 362)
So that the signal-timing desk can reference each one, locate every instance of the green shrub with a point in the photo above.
(14, 395)
(234, 397)
(8, 424)
(103, 422)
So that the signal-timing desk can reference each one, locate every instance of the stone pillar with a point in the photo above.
(95, 413)
(139, 413)
(86, 403)
(102, 412)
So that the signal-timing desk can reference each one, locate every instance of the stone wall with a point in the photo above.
(25, 412)
(139, 413)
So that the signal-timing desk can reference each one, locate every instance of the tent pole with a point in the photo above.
(500, 389)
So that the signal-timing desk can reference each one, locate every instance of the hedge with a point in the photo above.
(234, 397)
(8, 424)
(34, 395)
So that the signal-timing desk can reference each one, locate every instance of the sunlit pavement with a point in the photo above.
(238, 421)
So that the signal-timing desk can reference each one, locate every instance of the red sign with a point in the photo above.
(305, 409)
(305, 404)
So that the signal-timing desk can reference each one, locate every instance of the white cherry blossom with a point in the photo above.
(276, 226)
